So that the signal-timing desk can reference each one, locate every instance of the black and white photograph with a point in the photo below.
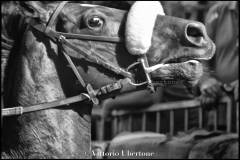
(120, 80)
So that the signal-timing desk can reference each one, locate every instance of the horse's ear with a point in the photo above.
(35, 9)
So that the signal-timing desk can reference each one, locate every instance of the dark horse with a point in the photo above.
(37, 71)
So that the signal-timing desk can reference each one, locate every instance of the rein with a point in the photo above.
(110, 90)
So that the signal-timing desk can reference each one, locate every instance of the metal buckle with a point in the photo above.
(145, 66)
(131, 67)
(142, 61)
(92, 94)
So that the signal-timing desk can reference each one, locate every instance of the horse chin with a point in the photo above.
(188, 72)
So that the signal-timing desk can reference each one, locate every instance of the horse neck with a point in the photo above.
(53, 133)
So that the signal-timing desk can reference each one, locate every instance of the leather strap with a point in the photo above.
(97, 59)
(105, 90)
(91, 37)
(20, 109)
(54, 35)
(88, 87)
(79, 77)
(60, 37)
(110, 90)
(54, 15)
(53, 18)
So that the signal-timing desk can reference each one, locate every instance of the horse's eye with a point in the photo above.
(95, 22)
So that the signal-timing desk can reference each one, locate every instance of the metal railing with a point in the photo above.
(171, 107)
(230, 102)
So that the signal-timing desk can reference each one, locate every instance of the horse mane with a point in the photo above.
(14, 15)
(11, 14)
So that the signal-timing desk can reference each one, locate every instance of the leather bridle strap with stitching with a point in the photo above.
(121, 86)
(61, 38)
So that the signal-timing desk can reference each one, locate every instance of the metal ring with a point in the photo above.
(86, 95)
(138, 84)
(132, 65)
(131, 82)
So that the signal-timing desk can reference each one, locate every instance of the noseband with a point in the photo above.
(121, 86)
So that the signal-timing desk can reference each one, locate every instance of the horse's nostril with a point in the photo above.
(195, 34)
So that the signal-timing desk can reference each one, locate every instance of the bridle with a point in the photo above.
(121, 86)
